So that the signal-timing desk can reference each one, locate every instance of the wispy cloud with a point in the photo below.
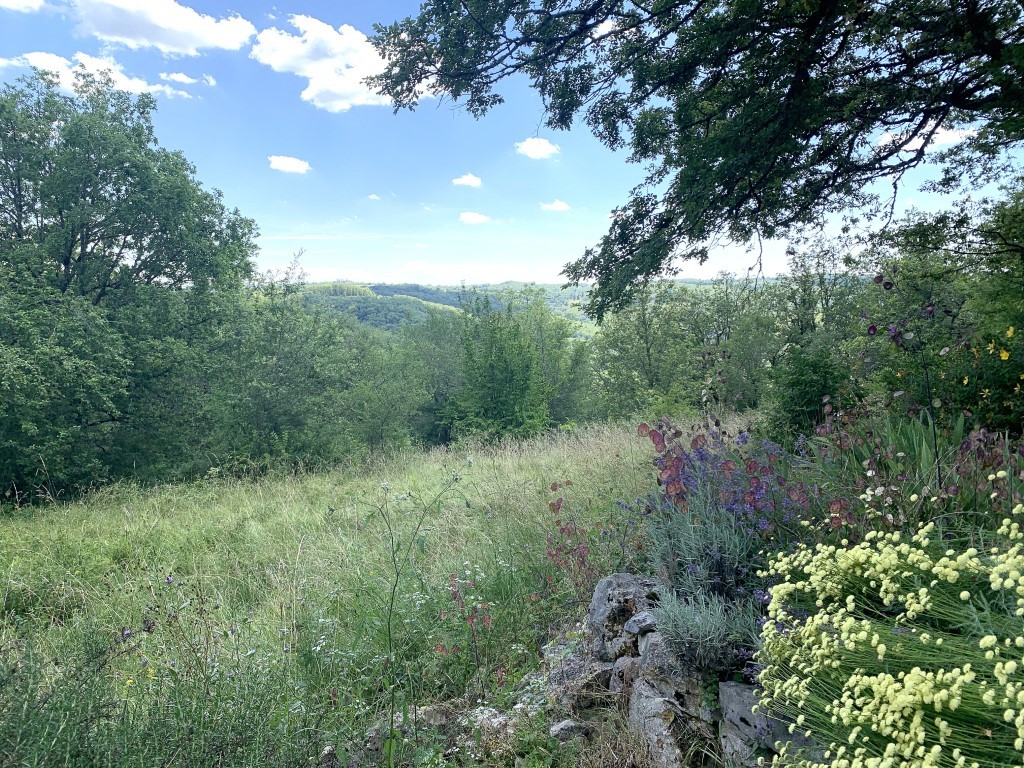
(65, 71)
(537, 149)
(467, 180)
(472, 217)
(287, 164)
(333, 61)
(373, 197)
(181, 77)
(557, 205)
(165, 25)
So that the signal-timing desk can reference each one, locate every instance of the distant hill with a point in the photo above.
(388, 306)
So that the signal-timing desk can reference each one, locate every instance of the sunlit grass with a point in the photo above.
(181, 582)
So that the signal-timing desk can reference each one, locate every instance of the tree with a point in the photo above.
(645, 355)
(117, 273)
(504, 392)
(755, 119)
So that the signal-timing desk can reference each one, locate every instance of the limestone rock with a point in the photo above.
(567, 730)
(575, 680)
(653, 717)
(746, 735)
(623, 675)
(617, 599)
(328, 758)
(641, 623)
(660, 668)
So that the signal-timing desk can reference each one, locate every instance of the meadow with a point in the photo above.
(230, 622)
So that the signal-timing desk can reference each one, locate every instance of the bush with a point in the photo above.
(901, 653)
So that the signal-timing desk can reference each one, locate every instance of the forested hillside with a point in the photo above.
(137, 340)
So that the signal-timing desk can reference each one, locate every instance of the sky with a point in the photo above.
(267, 101)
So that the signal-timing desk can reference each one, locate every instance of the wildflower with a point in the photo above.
(965, 595)
(1004, 355)
(1010, 332)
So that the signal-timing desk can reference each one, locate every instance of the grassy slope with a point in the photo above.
(221, 569)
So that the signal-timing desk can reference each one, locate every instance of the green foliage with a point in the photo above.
(504, 391)
(708, 561)
(707, 633)
(808, 379)
(114, 265)
(949, 295)
(755, 120)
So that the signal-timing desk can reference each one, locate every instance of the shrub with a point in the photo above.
(900, 653)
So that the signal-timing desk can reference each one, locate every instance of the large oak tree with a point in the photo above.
(755, 118)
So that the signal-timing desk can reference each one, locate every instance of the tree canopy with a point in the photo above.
(755, 118)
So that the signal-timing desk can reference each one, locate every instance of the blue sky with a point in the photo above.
(266, 100)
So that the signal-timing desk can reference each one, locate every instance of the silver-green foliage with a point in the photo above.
(709, 611)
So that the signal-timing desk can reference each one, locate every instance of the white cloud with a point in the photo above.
(941, 137)
(557, 205)
(178, 77)
(467, 180)
(24, 6)
(537, 149)
(181, 77)
(373, 197)
(162, 24)
(472, 217)
(287, 164)
(333, 61)
(65, 71)
(606, 27)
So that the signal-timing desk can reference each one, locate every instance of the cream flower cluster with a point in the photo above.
(909, 654)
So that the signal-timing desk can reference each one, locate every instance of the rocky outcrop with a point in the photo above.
(626, 660)
(618, 659)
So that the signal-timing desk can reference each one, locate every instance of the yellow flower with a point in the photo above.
(991, 347)
(1004, 355)
(966, 380)
(1010, 331)
(986, 392)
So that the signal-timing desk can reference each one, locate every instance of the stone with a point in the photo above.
(567, 730)
(653, 717)
(660, 668)
(623, 675)
(436, 716)
(617, 599)
(641, 623)
(575, 680)
(746, 735)
(743, 733)
(328, 758)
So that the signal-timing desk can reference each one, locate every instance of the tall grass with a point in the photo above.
(249, 622)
